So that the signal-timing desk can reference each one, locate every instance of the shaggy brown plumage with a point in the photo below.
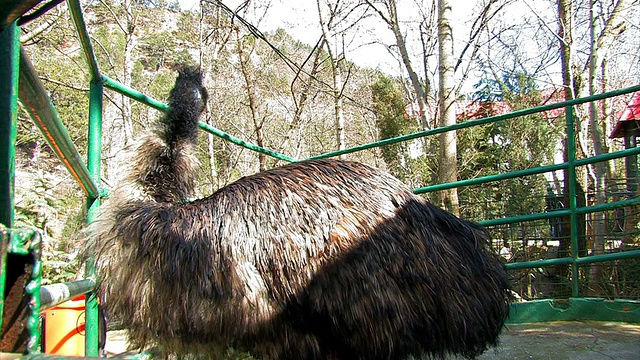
(320, 259)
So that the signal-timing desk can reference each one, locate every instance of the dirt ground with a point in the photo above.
(579, 340)
(566, 340)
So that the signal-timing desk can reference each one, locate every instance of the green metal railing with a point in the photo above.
(144, 99)
(15, 64)
(9, 65)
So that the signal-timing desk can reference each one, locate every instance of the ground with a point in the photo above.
(579, 340)
(562, 340)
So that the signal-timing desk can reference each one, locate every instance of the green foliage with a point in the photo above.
(43, 203)
(391, 120)
(161, 50)
(509, 145)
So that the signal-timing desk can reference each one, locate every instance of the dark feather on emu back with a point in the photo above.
(321, 259)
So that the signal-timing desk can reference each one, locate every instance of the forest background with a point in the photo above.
(325, 75)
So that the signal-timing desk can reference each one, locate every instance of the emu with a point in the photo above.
(322, 259)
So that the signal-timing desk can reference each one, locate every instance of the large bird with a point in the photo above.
(323, 259)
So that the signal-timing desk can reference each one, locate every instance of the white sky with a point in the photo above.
(300, 19)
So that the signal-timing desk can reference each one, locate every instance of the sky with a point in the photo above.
(367, 48)
(300, 19)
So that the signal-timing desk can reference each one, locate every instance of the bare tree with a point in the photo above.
(390, 17)
(215, 32)
(126, 19)
(337, 18)
(248, 74)
(300, 101)
(581, 79)
(599, 44)
(334, 45)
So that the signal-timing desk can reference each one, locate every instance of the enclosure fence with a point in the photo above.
(22, 298)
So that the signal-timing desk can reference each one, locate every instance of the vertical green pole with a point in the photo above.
(631, 162)
(9, 74)
(573, 198)
(93, 164)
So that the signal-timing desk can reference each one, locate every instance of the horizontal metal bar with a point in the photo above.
(559, 213)
(630, 254)
(523, 218)
(38, 104)
(136, 95)
(487, 120)
(243, 143)
(608, 206)
(538, 263)
(490, 178)
(608, 156)
(526, 172)
(52, 295)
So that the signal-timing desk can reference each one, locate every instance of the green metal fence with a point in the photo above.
(18, 79)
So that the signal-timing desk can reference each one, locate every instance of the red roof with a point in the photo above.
(630, 113)
(471, 110)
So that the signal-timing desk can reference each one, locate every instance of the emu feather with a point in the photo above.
(321, 259)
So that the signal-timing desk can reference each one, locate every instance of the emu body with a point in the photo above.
(321, 259)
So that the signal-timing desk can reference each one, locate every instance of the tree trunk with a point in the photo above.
(336, 69)
(301, 102)
(392, 21)
(599, 224)
(248, 73)
(337, 103)
(566, 41)
(213, 171)
(413, 76)
(129, 46)
(448, 165)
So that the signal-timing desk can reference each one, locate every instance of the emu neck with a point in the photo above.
(165, 172)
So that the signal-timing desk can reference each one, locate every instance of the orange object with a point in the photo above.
(64, 328)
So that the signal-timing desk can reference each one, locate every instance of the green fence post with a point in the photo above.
(573, 198)
(9, 69)
(94, 153)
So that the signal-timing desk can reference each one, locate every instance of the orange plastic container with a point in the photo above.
(64, 328)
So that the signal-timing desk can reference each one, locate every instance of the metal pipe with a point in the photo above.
(83, 35)
(52, 295)
(630, 254)
(94, 156)
(490, 178)
(559, 213)
(137, 95)
(32, 289)
(471, 123)
(9, 69)
(538, 263)
(12, 10)
(523, 218)
(243, 143)
(37, 103)
(526, 172)
(573, 198)
(25, 19)
(134, 94)
(608, 156)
